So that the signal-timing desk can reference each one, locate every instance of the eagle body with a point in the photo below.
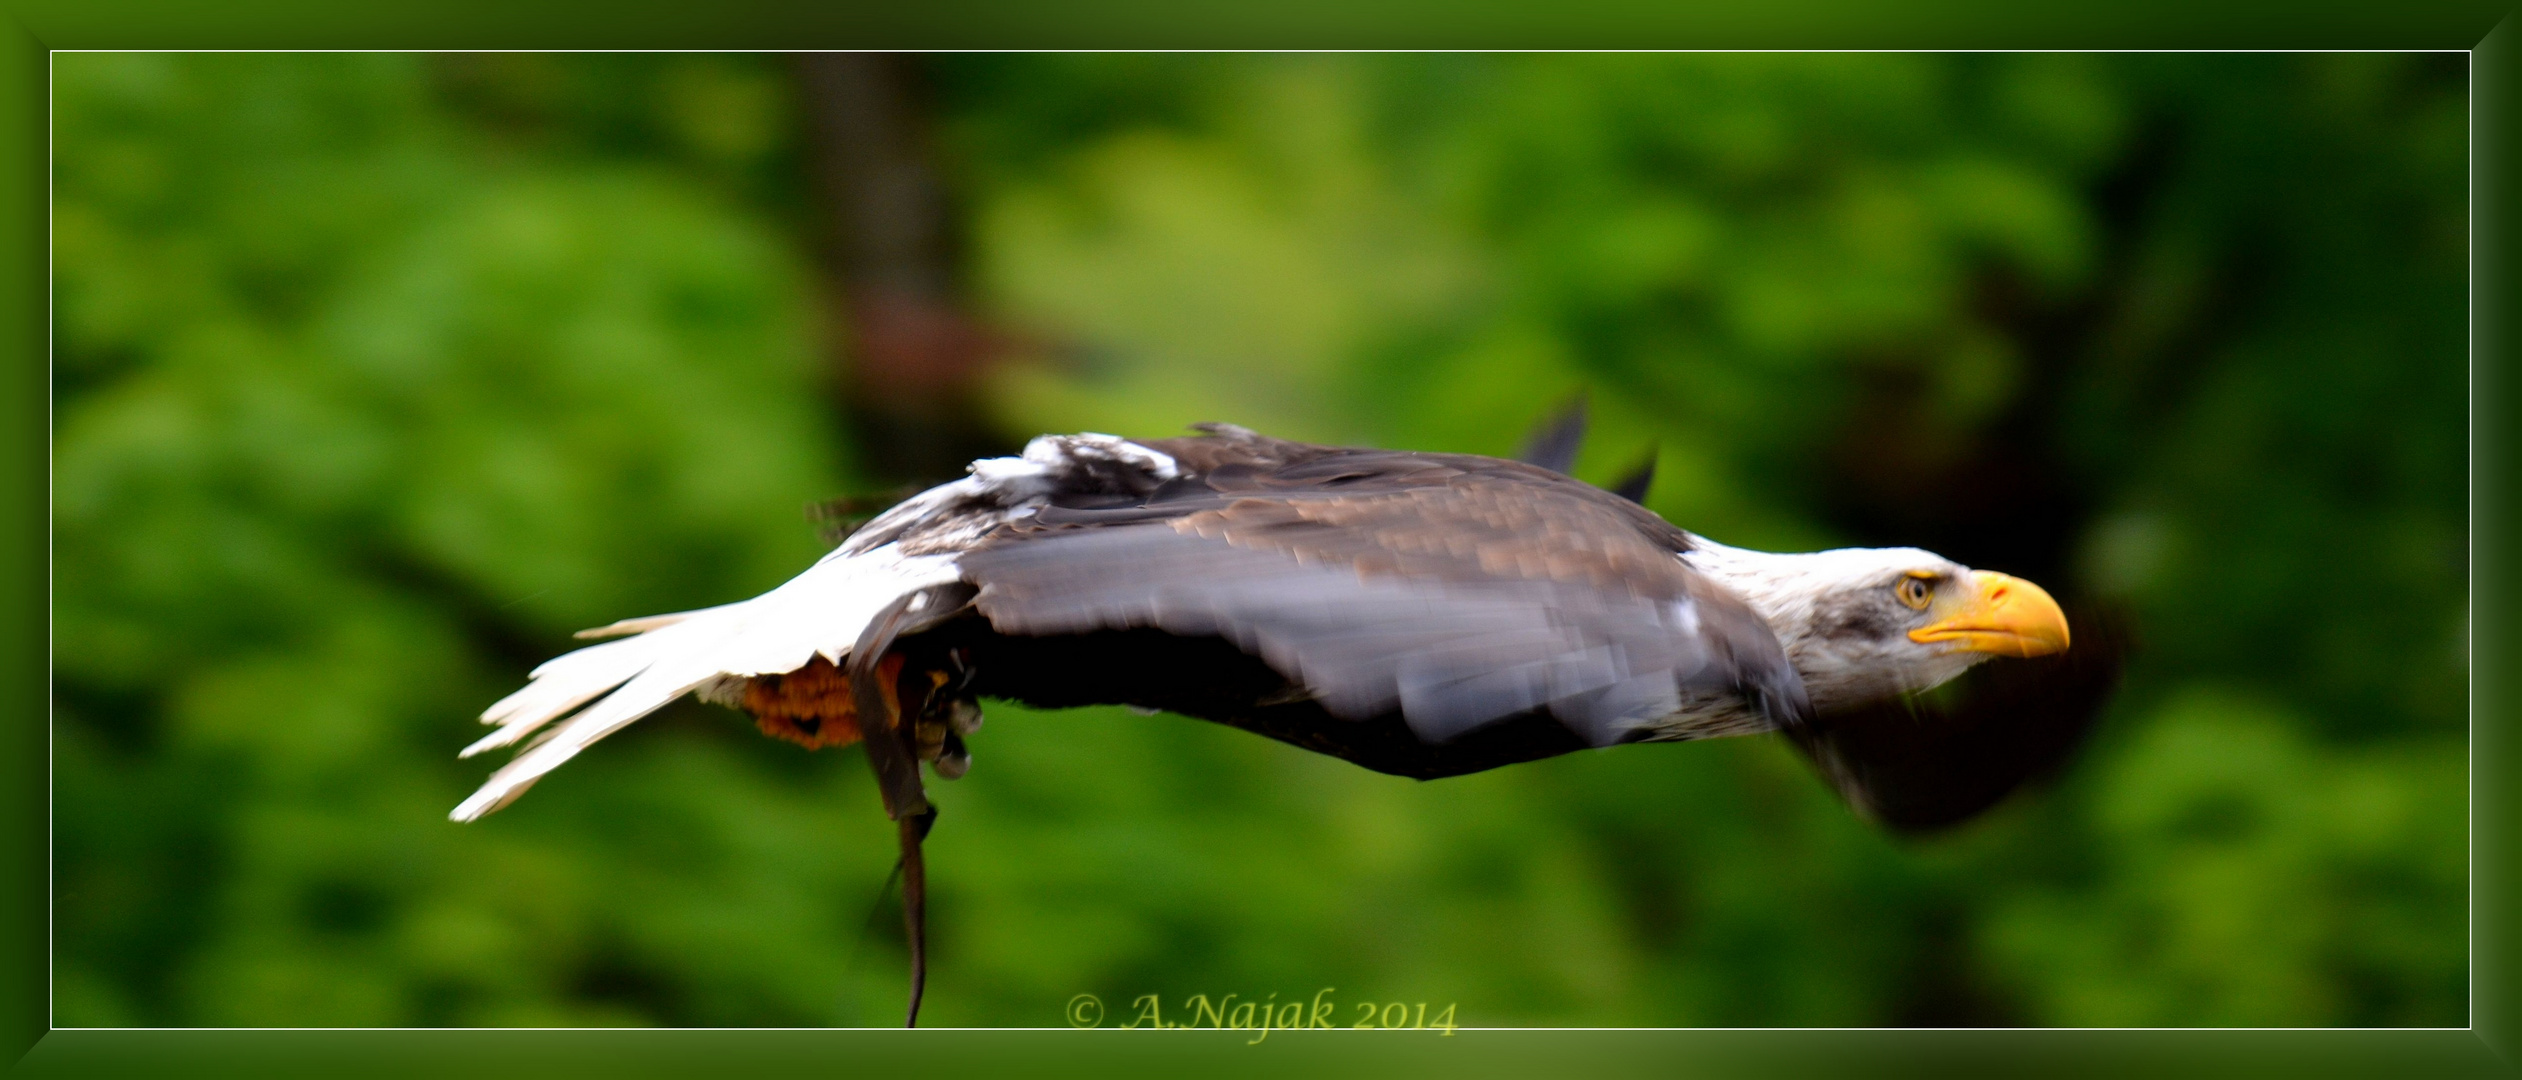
(1420, 614)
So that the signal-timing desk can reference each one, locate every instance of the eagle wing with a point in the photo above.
(1918, 763)
(1455, 591)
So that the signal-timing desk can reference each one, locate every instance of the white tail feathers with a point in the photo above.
(821, 611)
(642, 624)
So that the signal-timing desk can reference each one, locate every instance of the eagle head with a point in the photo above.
(1865, 624)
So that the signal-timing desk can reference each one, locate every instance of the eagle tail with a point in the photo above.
(822, 612)
(819, 613)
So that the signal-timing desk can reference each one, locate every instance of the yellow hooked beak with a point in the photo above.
(2004, 615)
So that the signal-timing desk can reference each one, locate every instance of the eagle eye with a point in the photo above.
(1914, 591)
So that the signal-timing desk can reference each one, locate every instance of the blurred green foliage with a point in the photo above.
(378, 375)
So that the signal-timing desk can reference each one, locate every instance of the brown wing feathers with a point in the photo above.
(1455, 591)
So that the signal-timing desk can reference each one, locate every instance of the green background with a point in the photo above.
(376, 375)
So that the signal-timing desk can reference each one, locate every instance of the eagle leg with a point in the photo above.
(880, 715)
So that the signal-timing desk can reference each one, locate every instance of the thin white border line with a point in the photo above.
(52, 730)
(1293, 51)
(458, 1032)
(2470, 566)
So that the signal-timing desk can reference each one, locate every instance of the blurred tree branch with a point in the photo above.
(910, 352)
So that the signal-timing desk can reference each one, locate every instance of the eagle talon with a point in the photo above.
(963, 716)
(952, 760)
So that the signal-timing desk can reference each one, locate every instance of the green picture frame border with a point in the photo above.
(33, 28)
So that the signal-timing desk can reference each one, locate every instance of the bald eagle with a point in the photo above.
(1420, 614)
